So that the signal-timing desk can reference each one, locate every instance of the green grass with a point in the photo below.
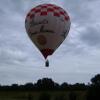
(35, 95)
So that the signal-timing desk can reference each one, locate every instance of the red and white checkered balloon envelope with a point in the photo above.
(47, 26)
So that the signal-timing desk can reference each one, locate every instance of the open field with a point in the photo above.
(42, 95)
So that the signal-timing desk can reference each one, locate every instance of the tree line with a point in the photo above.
(49, 84)
(45, 84)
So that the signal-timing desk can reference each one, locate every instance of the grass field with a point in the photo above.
(41, 95)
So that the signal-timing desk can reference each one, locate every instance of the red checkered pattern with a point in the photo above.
(44, 9)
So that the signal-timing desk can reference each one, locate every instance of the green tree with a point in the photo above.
(96, 80)
(94, 90)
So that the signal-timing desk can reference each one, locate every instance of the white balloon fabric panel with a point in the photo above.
(47, 25)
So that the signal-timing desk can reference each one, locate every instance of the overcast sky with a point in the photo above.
(76, 60)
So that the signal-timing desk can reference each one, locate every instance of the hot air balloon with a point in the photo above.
(47, 25)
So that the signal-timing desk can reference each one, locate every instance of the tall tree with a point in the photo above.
(96, 80)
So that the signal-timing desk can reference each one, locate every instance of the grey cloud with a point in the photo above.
(13, 49)
(11, 56)
(18, 52)
(91, 36)
(84, 15)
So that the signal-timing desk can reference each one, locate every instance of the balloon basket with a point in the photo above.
(47, 63)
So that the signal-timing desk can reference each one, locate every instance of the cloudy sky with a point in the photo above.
(76, 60)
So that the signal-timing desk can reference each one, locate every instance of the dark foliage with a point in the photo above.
(96, 80)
